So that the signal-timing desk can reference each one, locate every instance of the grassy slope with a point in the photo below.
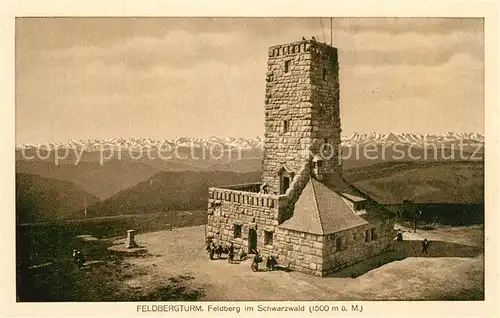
(169, 191)
(444, 182)
(100, 180)
(127, 186)
(41, 199)
(115, 175)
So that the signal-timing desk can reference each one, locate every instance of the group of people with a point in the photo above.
(214, 249)
(78, 258)
(217, 249)
(271, 262)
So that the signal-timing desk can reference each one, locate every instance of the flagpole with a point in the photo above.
(331, 31)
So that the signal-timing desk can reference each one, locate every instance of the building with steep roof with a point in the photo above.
(303, 211)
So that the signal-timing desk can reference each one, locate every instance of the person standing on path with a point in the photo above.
(230, 254)
(425, 246)
(400, 236)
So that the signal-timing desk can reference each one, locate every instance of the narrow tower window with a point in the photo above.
(286, 126)
(287, 66)
(324, 74)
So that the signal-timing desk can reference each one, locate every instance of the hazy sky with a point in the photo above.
(168, 77)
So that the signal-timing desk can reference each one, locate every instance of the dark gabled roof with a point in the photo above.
(323, 209)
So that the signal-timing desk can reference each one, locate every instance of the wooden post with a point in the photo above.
(415, 222)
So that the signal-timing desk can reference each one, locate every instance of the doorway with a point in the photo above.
(252, 241)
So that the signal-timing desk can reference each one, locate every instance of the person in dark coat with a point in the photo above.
(230, 253)
(400, 236)
(209, 244)
(425, 246)
(78, 258)
(74, 256)
(207, 247)
(81, 258)
(271, 262)
(219, 251)
(212, 250)
(256, 260)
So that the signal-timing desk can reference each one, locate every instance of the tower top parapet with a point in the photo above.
(304, 46)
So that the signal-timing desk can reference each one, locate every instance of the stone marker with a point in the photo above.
(130, 242)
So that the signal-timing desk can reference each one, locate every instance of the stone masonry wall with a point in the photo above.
(302, 252)
(293, 193)
(312, 254)
(224, 215)
(325, 96)
(354, 248)
(302, 99)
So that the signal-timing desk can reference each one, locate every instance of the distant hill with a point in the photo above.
(44, 199)
(102, 181)
(148, 184)
(114, 176)
(40, 198)
(422, 182)
(241, 165)
(165, 191)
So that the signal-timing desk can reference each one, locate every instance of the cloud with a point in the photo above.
(61, 32)
(461, 78)
(52, 33)
(376, 48)
(214, 79)
(412, 25)
(418, 98)
(180, 48)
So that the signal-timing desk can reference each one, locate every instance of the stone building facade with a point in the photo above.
(302, 111)
(303, 212)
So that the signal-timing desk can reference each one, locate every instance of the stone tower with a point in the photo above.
(302, 114)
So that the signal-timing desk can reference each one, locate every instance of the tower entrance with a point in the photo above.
(252, 241)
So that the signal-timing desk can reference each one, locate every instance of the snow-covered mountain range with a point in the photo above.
(148, 143)
(414, 139)
(417, 140)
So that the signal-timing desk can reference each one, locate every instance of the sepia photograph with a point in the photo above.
(249, 159)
